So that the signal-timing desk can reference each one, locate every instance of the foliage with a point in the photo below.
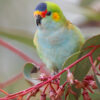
(78, 73)
(69, 84)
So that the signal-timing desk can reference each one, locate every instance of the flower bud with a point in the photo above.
(43, 77)
(89, 77)
(78, 84)
(52, 95)
(93, 85)
(60, 92)
(70, 77)
(86, 95)
(43, 96)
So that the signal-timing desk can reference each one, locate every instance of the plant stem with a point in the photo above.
(23, 56)
(93, 65)
(11, 96)
(18, 52)
(4, 92)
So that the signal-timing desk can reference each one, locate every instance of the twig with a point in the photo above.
(4, 92)
(23, 56)
(93, 65)
(18, 52)
(11, 96)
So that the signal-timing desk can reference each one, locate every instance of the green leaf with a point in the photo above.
(82, 68)
(28, 69)
(69, 61)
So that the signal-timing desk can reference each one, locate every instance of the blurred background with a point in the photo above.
(17, 27)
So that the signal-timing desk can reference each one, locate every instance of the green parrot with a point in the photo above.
(56, 38)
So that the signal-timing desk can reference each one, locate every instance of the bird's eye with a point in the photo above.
(48, 13)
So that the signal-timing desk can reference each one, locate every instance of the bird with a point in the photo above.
(56, 38)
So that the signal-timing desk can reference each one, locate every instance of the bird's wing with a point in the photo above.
(69, 25)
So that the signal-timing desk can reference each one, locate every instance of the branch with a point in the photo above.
(24, 57)
(4, 92)
(24, 92)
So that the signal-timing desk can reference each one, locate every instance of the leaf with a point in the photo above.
(82, 68)
(28, 69)
(69, 61)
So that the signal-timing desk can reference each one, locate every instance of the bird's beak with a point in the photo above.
(38, 20)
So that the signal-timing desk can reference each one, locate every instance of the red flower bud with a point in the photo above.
(86, 95)
(60, 92)
(43, 77)
(85, 83)
(43, 96)
(93, 85)
(89, 77)
(52, 95)
(78, 84)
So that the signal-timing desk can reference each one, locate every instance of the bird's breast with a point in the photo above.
(56, 47)
(52, 38)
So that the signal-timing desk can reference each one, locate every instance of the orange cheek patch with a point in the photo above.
(55, 16)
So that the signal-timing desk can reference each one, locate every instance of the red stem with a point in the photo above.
(23, 56)
(65, 83)
(45, 88)
(93, 65)
(91, 61)
(4, 92)
(11, 96)
(52, 88)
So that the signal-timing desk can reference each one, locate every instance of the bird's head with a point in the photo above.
(48, 14)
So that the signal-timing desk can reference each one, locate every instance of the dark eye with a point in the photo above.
(48, 13)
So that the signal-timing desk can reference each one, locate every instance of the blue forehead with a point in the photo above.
(41, 7)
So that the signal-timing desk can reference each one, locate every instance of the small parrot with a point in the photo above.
(56, 37)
